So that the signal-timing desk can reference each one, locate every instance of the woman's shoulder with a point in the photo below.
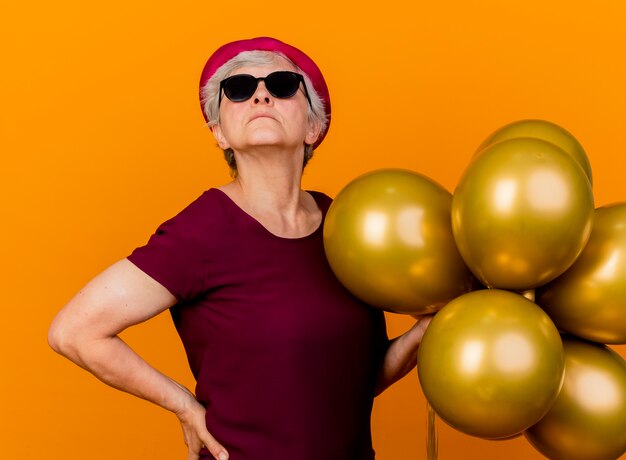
(209, 205)
(203, 214)
(323, 201)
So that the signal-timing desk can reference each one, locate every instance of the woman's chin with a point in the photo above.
(270, 142)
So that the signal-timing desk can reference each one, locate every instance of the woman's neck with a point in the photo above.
(268, 187)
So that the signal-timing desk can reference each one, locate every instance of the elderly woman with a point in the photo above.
(287, 362)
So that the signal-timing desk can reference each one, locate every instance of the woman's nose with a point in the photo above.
(262, 95)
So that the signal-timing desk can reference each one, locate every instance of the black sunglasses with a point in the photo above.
(282, 84)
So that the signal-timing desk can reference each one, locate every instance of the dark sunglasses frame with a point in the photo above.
(271, 81)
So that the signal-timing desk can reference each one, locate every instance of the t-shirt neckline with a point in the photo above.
(316, 197)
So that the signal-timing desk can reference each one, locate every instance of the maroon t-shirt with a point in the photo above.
(285, 358)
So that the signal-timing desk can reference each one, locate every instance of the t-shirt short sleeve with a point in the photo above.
(176, 254)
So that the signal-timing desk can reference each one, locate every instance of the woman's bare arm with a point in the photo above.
(86, 332)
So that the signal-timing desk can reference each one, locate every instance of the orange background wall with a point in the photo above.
(101, 140)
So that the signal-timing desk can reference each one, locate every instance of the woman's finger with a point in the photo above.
(215, 448)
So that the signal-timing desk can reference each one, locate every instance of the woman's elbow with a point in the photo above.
(61, 338)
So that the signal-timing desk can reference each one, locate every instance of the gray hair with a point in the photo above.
(211, 91)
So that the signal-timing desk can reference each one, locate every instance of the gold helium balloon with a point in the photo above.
(521, 213)
(589, 299)
(491, 363)
(588, 419)
(388, 239)
(544, 130)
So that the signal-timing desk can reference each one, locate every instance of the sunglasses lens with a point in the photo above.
(282, 84)
(240, 87)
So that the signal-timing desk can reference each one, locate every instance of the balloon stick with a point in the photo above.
(431, 442)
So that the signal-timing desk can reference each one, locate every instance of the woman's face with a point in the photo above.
(264, 120)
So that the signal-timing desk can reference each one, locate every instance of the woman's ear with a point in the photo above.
(219, 137)
(315, 128)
